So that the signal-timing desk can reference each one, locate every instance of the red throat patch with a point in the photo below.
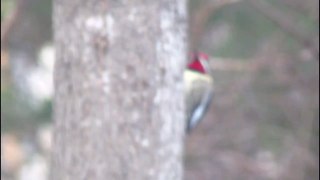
(196, 66)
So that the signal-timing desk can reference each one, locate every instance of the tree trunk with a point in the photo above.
(119, 111)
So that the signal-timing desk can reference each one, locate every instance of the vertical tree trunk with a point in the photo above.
(119, 111)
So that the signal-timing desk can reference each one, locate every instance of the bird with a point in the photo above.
(199, 89)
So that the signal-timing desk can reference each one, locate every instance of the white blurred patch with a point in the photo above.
(94, 23)
(35, 169)
(40, 80)
(44, 137)
(111, 31)
(268, 165)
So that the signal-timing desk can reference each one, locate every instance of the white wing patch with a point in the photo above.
(200, 110)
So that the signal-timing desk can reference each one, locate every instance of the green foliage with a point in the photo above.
(20, 115)
(193, 4)
(249, 29)
(300, 17)
(271, 137)
(42, 10)
(6, 7)
(45, 112)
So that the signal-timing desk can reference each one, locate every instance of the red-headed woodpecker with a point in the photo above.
(199, 89)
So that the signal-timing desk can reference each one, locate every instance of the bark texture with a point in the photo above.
(119, 111)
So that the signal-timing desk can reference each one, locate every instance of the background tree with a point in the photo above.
(119, 90)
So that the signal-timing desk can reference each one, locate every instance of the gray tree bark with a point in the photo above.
(119, 111)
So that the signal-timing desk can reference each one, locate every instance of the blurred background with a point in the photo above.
(264, 120)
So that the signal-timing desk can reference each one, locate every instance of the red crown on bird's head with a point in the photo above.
(199, 62)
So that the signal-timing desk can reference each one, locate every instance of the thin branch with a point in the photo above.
(301, 7)
(288, 24)
(223, 64)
